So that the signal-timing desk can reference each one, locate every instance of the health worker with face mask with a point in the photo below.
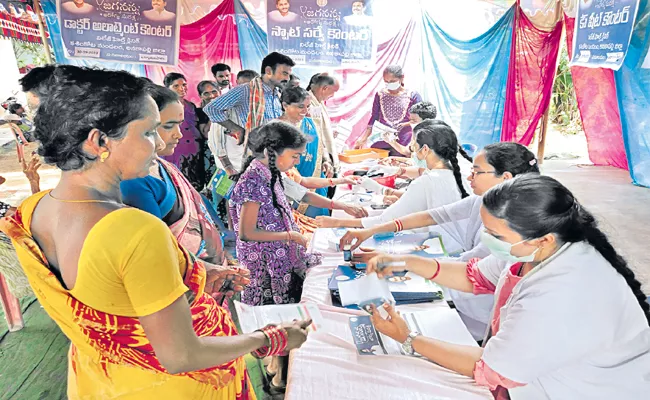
(391, 108)
(459, 223)
(570, 320)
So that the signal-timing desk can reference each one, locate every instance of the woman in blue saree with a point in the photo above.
(295, 102)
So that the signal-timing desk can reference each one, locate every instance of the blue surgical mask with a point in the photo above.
(502, 250)
(417, 162)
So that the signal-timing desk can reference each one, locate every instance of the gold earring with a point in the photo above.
(104, 156)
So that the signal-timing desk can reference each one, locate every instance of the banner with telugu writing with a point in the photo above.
(329, 33)
(126, 31)
(603, 32)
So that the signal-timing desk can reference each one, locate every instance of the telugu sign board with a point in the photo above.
(603, 31)
(126, 31)
(328, 33)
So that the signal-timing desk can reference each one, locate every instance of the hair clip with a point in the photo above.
(532, 162)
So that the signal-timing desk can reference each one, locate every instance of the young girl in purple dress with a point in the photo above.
(269, 242)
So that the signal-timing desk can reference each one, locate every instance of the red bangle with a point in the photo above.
(331, 182)
(437, 270)
(278, 341)
(398, 225)
(331, 204)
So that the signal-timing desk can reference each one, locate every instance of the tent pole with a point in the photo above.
(41, 26)
(542, 135)
(544, 122)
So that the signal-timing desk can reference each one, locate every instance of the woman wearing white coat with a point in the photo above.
(460, 222)
(436, 145)
(570, 319)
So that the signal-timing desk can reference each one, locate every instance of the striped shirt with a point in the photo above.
(237, 99)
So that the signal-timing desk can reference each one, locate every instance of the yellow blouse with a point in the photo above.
(130, 265)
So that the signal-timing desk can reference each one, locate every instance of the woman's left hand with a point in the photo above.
(355, 211)
(394, 326)
(323, 221)
(225, 279)
(388, 200)
(349, 180)
(328, 170)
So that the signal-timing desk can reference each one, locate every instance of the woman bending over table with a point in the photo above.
(570, 320)
(114, 278)
(461, 222)
(167, 194)
(418, 112)
(437, 145)
(391, 108)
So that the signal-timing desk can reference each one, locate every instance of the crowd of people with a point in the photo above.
(126, 255)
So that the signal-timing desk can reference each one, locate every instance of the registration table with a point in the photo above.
(327, 365)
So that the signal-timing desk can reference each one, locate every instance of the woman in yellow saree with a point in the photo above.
(113, 278)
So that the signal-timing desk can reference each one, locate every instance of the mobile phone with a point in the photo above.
(379, 206)
(360, 173)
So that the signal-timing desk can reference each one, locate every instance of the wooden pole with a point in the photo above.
(542, 135)
(41, 26)
(544, 122)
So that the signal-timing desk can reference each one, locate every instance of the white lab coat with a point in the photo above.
(571, 329)
(435, 188)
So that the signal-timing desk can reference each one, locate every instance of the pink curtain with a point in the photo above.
(597, 101)
(533, 61)
(209, 40)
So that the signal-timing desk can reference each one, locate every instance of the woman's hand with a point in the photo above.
(390, 199)
(364, 256)
(225, 279)
(349, 180)
(354, 238)
(360, 143)
(385, 265)
(296, 332)
(31, 169)
(326, 222)
(403, 125)
(296, 237)
(328, 169)
(394, 326)
(355, 211)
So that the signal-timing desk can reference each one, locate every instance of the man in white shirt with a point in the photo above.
(228, 153)
(222, 75)
(282, 14)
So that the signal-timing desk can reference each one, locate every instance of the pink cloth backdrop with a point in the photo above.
(211, 39)
(533, 62)
(597, 101)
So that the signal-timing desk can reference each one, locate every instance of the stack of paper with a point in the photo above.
(381, 132)
(252, 318)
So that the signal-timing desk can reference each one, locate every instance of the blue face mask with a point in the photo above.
(502, 250)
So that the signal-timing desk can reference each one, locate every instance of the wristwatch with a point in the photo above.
(407, 346)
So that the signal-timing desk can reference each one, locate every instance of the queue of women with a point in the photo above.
(124, 255)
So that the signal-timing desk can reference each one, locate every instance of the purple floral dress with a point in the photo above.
(277, 268)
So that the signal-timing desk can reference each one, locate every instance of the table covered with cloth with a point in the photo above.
(327, 365)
